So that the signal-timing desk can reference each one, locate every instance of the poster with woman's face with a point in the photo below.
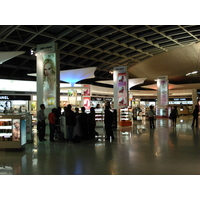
(49, 80)
(16, 130)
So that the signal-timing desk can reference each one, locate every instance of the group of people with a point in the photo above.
(173, 116)
(78, 124)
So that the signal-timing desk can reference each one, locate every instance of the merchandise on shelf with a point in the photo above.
(125, 117)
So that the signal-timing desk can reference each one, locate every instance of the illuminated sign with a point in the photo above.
(4, 97)
(48, 47)
(96, 99)
(15, 97)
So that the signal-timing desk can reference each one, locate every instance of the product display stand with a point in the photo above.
(10, 136)
(125, 117)
(29, 131)
(99, 117)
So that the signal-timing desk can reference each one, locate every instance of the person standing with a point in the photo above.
(77, 129)
(52, 123)
(70, 122)
(41, 123)
(195, 115)
(174, 115)
(151, 115)
(108, 120)
(84, 123)
(91, 123)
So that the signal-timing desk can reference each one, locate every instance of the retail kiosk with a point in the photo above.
(12, 136)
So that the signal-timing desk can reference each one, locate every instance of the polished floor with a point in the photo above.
(136, 150)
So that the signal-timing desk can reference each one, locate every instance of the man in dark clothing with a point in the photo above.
(84, 123)
(70, 122)
(91, 123)
(195, 115)
(41, 123)
(108, 119)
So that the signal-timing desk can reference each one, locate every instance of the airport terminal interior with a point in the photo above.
(147, 53)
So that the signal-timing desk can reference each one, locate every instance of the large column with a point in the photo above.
(48, 76)
(162, 91)
(194, 97)
(162, 96)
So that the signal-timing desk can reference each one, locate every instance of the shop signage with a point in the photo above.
(96, 99)
(47, 48)
(108, 99)
(4, 97)
(15, 97)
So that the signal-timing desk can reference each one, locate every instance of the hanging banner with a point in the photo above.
(120, 87)
(162, 91)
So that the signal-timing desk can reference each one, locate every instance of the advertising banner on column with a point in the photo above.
(86, 97)
(120, 87)
(49, 80)
(48, 72)
(162, 91)
(86, 92)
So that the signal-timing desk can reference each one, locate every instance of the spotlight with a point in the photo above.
(33, 51)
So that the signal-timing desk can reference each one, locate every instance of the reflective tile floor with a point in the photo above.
(136, 150)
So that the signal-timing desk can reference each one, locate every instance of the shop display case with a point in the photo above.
(114, 125)
(29, 127)
(12, 131)
(99, 117)
(125, 117)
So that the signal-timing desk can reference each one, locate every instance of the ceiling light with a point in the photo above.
(192, 73)
(195, 73)
(111, 72)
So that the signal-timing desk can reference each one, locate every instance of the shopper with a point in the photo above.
(58, 114)
(52, 123)
(174, 115)
(151, 114)
(91, 123)
(84, 123)
(77, 128)
(98, 106)
(70, 122)
(195, 115)
(108, 120)
(41, 123)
